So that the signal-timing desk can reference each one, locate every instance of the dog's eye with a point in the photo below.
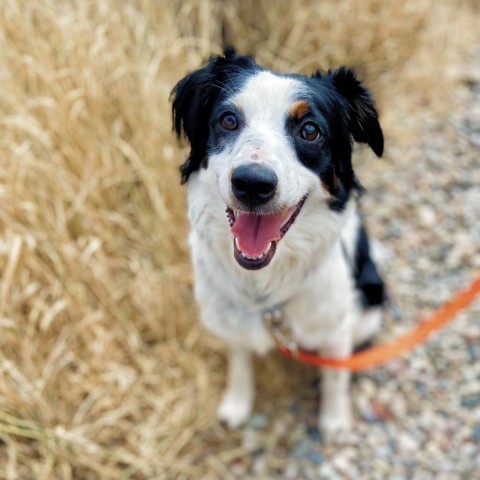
(229, 121)
(310, 132)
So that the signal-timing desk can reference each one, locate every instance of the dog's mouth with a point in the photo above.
(256, 236)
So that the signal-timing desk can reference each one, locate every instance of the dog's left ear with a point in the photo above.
(363, 117)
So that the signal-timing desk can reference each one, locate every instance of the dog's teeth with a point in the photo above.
(248, 257)
(269, 246)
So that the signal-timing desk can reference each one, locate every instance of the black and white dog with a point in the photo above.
(272, 205)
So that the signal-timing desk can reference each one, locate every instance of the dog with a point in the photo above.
(272, 202)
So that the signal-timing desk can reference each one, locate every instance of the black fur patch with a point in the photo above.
(367, 278)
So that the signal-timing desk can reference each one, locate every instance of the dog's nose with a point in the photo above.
(254, 185)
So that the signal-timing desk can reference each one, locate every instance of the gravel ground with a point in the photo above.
(418, 417)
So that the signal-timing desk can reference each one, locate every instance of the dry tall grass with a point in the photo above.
(104, 370)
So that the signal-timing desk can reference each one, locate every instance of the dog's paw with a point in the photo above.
(234, 411)
(335, 428)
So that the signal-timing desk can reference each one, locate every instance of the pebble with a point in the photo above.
(377, 412)
(406, 443)
(315, 457)
(291, 471)
(314, 434)
(305, 448)
(302, 448)
(258, 421)
(326, 471)
(427, 215)
(471, 401)
(473, 351)
(476, 433)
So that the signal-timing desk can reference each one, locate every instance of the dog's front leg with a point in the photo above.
(335, 409)
(237, 401)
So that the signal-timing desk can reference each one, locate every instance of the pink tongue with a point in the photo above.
(255, 232)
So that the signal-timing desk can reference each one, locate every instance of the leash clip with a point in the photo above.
(273, 320)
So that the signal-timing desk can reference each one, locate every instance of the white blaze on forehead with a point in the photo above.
(267, 98)
(265, 101)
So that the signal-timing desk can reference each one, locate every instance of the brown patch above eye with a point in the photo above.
(238, 107)
(299, 109)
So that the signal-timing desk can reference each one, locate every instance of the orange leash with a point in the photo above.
(380, 354)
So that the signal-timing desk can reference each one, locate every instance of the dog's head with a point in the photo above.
(272, 141)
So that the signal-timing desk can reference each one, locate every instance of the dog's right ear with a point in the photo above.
(193, 98)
